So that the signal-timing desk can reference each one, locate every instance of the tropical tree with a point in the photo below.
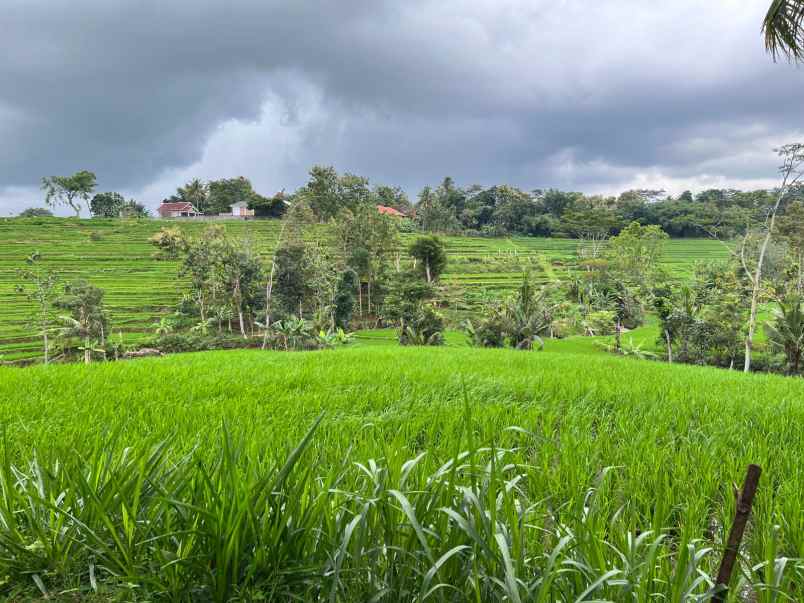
(786, 331)
(431, 256)
(783, 28)
(107, 205)
(86, 317)
(41, 290)
(71, 191)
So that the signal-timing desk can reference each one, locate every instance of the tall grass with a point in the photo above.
(238, 525)
(453, 474)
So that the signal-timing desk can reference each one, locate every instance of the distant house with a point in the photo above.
(241, 210)
(180, 209)
(390, 211)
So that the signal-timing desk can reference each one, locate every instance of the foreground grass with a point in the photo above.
(197, 477)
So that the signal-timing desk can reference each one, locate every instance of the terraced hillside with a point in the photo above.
(116, 256)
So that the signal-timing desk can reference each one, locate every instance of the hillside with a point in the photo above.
(115, 255)
(604, 448)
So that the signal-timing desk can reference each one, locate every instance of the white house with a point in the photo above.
(241, 210)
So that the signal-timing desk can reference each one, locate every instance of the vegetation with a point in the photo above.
(485, 473)
(141, 285)
(784, 29)
(72, 191)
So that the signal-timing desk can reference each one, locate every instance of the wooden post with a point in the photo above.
(745, 499)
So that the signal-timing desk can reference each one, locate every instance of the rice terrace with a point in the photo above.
(578, 380)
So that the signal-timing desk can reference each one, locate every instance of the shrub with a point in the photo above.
(601, 322)
(426, 328)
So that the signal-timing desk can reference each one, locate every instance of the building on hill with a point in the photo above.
(390, 211)
(177, 209)
(240, 210)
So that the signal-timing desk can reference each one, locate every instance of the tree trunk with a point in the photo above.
(756, 283)
(427, 270)
(669, 347)
(87, 352)
(44, 334)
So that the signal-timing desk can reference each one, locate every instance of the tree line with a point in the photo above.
(447, 208)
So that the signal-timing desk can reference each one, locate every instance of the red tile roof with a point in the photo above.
(176, 206)
(390, 211)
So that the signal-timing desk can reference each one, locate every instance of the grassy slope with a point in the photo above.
(116, 256)
(678, 436)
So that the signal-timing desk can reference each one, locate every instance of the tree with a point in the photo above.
(791, 229)
(783, 28)
(268, 207)
(69, 190)
(786, 332)
(36, 212)
(431, 256)
(86, 318)
(393, 196)
(107, 205)
(225, 278)
(226, 192)
(240, 274)
(791, 170)
(42, 289)
(321, 192)
(366, 238)
(432, 215)
(132, 209)
(635, 253)
(194, 192)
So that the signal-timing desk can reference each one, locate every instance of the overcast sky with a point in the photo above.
(591, 96)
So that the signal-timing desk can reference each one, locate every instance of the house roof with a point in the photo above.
(390, 211)
(177, 206)
(239, 204)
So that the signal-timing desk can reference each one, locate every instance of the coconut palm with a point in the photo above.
(783, 28)
(786, 332)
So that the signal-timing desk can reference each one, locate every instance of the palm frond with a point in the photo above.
(783, 29)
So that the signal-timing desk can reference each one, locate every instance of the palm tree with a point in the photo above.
(783, 28)
(786, 332)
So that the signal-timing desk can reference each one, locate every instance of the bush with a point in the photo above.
(181, 342)
(602, 322)
(426, 328)
(488, 332)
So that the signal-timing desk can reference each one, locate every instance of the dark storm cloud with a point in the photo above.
(534, 93)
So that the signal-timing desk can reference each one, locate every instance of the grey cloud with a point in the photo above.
(487, 91)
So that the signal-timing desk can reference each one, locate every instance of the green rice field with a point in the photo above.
(380, 473)
(115, 255)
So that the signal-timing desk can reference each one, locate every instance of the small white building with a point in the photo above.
(241, 210)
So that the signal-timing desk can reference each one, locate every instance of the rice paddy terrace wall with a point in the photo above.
(116, 256)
